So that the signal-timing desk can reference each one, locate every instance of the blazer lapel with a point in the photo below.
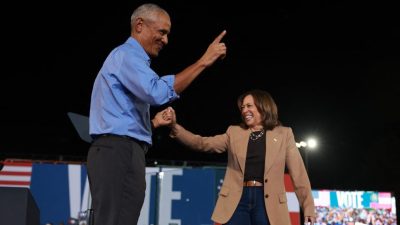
(273, 143)
(241, 154)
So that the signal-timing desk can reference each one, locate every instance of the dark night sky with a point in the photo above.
(332, 67)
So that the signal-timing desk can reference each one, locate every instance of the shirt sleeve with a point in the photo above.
(137, 77)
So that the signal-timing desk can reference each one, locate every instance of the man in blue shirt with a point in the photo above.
(120, 124)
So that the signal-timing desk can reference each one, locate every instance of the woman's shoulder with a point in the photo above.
(235, 128)
(282, 129)
(238, 128)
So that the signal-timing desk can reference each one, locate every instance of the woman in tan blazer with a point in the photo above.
(253, 192)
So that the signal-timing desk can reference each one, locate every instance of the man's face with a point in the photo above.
(156, 33)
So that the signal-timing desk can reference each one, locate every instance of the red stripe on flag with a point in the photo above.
(288, 183)
(7, 182)
(295, 218)
(9, 163)
(12, 173)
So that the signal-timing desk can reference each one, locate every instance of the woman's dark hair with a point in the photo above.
(265, 105)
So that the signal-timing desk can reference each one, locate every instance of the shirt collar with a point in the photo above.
(136, 45)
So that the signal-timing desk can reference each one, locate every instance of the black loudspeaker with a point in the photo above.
(17, 207)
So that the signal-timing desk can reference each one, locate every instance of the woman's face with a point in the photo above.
(250, 114)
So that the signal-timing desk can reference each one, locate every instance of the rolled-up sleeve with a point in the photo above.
(170, 80)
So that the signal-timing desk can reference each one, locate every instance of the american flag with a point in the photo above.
(292, 201)
(16, 174)
(384, 201)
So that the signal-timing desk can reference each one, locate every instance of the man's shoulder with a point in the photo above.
(127, 51)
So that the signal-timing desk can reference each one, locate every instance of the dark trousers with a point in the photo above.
(116, 170)
(251, 208)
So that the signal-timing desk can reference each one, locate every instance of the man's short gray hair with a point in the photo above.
(146, 11)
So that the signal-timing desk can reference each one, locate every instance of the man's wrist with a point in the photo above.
(153, 124)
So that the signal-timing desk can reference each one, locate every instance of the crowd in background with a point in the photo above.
(351, 216)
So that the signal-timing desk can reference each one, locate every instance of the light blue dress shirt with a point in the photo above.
(123, 92)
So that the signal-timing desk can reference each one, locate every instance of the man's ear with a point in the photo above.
(138, 25)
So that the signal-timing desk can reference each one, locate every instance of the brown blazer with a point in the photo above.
(281, 151)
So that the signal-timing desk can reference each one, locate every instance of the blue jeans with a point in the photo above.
(251, 208)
